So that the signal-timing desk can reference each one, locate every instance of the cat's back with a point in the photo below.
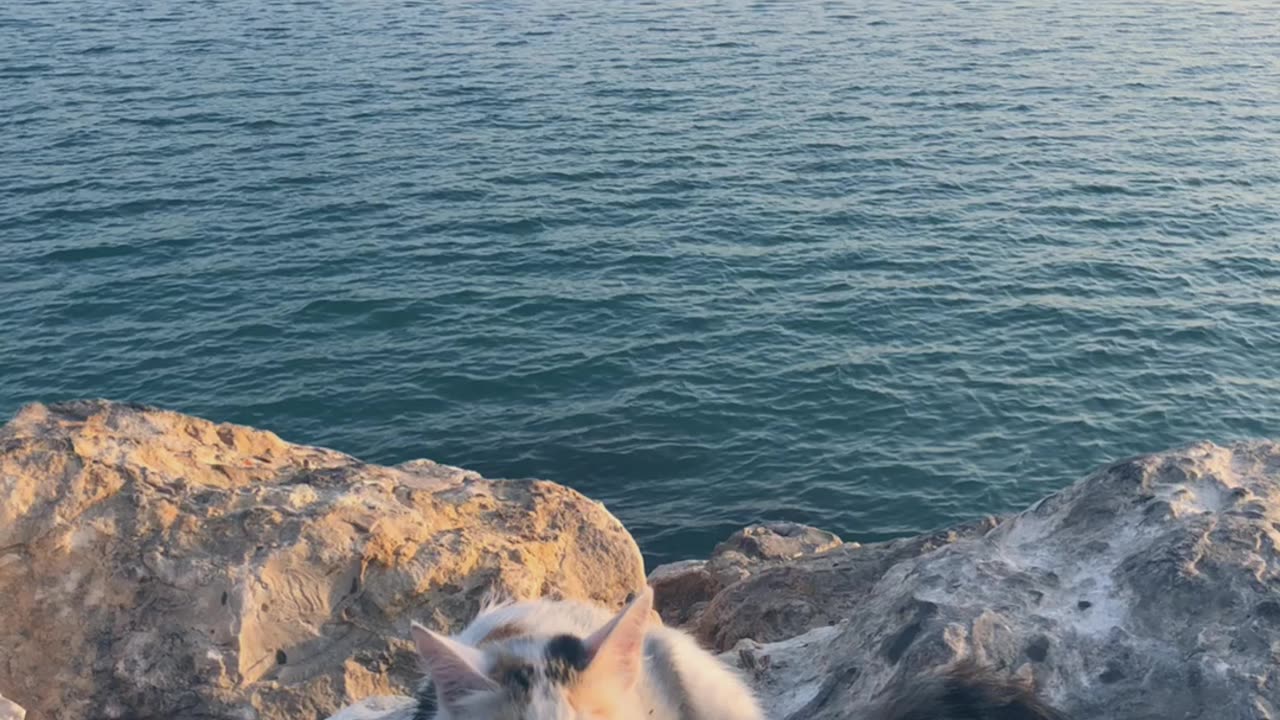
(534, 618)
(693, 680)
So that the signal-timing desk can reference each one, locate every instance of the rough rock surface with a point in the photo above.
(801, 578)
(1150, 590)
(155, 565)
(683, 589)
(782, 600)
(381, 707)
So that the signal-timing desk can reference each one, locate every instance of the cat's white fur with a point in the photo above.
(675, 679)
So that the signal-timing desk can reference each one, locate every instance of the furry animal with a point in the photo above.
(557, 660)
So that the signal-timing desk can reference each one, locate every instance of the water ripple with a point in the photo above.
(878, 267)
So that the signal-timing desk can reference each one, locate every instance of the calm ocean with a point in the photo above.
(875, 266)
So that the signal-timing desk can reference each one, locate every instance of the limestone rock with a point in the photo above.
(155, 565)
(1149, 590)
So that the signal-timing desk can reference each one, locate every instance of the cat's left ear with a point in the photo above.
(452, 666)
(616, 651)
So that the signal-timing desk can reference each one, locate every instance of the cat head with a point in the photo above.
(559, 678)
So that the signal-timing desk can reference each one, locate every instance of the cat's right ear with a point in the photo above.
(454, 668)
(616, 651)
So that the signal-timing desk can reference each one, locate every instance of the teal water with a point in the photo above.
(877, 266)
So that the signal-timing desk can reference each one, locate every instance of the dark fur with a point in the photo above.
(566, 657)
(426, 701)
(514, 676)
(965, 691)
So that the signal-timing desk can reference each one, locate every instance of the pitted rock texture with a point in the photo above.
(683, 589)
(1149, 590)
(155, 565)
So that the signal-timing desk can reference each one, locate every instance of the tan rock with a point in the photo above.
(154, 564)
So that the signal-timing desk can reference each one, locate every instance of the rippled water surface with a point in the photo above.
(876, 266)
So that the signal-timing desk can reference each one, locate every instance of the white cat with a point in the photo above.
(561, 660)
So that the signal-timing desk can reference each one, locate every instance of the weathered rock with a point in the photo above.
(10, 710)
(154, 565)
(382, 707)
(778, 541)
(683, 589)
(783, 600)
(1149, 590)
(784, 674)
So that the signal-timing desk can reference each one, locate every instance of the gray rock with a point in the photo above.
(780, 600)
(1150, 590)
(683, 589)
(778, 541)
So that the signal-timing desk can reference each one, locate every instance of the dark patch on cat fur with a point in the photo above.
(516, 677)
(566, 657)
(426, 702)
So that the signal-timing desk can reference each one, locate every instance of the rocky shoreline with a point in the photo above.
(156, 565)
